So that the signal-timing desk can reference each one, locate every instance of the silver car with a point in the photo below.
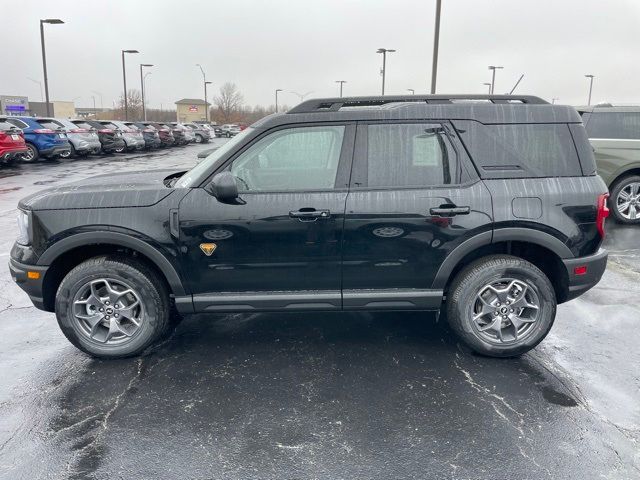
(201, 131)
(189, 134)
(83, 141)
(133, 139)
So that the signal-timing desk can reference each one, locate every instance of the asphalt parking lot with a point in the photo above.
(317, 396)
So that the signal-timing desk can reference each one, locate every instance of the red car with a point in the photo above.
(12, 144)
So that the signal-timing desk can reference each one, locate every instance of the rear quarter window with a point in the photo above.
(520, 150)
(614, 125)
(4, 125)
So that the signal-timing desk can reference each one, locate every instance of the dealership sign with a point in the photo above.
(193, 108)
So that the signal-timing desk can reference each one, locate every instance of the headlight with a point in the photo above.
(23, 228)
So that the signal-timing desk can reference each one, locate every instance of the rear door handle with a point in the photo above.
(310, 214)
(450, 211)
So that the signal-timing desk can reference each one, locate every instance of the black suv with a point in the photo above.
(486, 208)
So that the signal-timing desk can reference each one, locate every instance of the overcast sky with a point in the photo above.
(305, 45)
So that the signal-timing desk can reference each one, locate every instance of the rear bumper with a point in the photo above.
(595, 266)
(32, 287)
(10, 155)
(57, 150)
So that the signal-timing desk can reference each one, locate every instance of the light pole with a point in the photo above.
(413, 92)
(590, 77)
(94, 103)
(100, 95)
(553, 100)
(493, 77)
(206, 105)
(144, 111)
(144, 83)
(488, 84)
(277, 90)
(384, 52)
(39, 83)
(436, 42)
(50, 21)
(341, 82)
(124, 80)
(204, 79)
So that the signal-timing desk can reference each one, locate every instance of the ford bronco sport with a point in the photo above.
(485, 208)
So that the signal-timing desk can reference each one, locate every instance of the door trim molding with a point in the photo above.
(392, 299)
(267, 301)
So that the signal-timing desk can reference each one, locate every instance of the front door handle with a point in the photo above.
(310, 214)
(448, 210)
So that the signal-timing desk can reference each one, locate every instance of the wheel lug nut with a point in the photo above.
(504, 316)
(507, 303)
(107, 302)
(498, 304)
(101, 309)
(107, 317)
(511, 310)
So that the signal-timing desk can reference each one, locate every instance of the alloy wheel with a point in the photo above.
(505, 311)
(628, 201)
(108, 311)
(29, 155)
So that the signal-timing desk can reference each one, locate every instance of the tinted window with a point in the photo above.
(4, 125)
(86, 125)
(409, 155)
(50, 124)
(303, 158)
(520, 150)
(17, 123)
(614, 125)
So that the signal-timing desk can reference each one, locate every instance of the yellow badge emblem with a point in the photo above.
(208, 248)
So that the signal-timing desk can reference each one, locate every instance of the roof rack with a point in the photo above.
(335, 104)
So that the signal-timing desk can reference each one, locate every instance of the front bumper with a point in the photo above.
(32, 286)
(579, 283)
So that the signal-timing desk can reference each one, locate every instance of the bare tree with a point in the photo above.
(229, 102)
(134, 105)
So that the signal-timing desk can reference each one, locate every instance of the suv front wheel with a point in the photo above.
(625, 200)
(112, 306)
(501, 306)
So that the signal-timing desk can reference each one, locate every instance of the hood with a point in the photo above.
(130, 189)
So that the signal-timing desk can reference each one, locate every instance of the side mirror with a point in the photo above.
(223, 186)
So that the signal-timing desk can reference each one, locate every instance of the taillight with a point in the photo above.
(43, 130)
(105, 130)
(603, 213)
(79, 130)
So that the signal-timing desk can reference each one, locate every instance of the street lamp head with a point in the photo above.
(493, 67)
(52, 21)
(146, 64)
(279, 90)
(208, 83)
(589, 76)
(385, 50)
(130, 51)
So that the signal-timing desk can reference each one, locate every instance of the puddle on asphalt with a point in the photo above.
(551, 395)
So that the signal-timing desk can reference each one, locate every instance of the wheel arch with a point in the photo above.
(70, 252)
(626, 173)
(541, 249)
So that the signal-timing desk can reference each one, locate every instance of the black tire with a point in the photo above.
(199, 138)
(614, 200)
(463, 303)
(122, 149)
(153, 298)
(72, 152)
(32, 155)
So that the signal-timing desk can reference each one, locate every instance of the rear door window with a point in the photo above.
(614, 125)
(520, 150)
(17, 123)
(406, 155)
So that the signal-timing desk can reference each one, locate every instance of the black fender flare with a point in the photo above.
(529, 235)
(120, 239)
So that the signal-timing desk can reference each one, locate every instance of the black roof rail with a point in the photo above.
(335, 104)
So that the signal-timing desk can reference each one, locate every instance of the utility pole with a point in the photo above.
(436, 42)
(590, 77)
(50, 21)
(204, 79)
(384, 52)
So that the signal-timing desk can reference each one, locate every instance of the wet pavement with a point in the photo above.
(317, 396)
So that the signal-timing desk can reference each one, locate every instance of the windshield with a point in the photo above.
(190, 179)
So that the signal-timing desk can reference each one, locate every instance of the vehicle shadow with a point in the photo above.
(253, 387)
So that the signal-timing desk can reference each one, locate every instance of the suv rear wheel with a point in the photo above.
(501, 306)
(625, 200)
(112, 306)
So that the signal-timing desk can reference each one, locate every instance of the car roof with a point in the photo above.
(609, 108)
(487, 109)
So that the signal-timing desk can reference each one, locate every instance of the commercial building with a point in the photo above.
(14, 105)
(57, 109)
(191, 110)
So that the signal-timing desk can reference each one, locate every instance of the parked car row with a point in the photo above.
(31, 138)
